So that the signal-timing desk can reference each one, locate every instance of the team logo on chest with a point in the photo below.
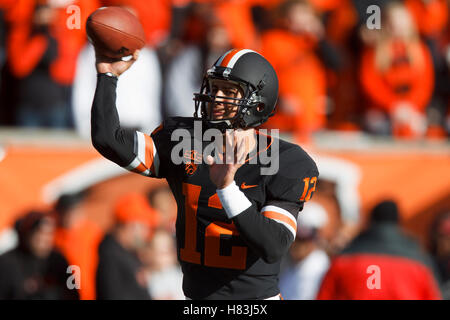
(191, 157)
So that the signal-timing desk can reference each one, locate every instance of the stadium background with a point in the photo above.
(331, 118)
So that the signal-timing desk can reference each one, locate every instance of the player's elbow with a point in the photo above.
(99, 142)
(112, 148)
(272, 257)
(103, 138)
(275, 251)
(105, 146)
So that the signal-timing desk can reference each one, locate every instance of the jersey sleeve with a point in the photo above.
(269, 231)
(284, 213)
(130, 149)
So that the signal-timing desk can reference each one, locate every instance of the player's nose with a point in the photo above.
(220, 93)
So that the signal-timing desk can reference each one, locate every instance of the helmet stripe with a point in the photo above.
(236, 57)
(223, 62)
(229, 59)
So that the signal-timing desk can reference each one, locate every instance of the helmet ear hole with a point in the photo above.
(260, 107)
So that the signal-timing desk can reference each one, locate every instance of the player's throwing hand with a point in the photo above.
(105, 64)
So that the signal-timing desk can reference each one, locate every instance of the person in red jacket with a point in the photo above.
(382, 263)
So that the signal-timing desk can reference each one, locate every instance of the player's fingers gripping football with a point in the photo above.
(115, 66)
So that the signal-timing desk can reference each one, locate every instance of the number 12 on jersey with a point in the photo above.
(310, 187)
(213, 233)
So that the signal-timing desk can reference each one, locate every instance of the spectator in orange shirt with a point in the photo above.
(292, 50)
(431, 16)
(42, 52)
(78, 239)
(191, 20)
(236, 16)
(396, 74)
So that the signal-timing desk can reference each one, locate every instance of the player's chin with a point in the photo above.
(217, 114)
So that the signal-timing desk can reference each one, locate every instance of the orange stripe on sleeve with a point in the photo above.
(140, 168)
(280, 217)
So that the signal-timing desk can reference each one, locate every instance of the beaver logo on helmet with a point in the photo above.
(258, 80)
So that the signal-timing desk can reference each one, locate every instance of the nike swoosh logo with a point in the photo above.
(244, 186)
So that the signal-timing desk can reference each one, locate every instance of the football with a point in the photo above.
(115, 32)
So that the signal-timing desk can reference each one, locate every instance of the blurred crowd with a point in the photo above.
(380, 261)
(376, 66)
(62, 253)
(340, 67)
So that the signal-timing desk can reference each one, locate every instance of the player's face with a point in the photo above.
(221, 107)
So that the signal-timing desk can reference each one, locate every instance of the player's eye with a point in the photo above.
(228, 92)
(231, 92)
(215, 89)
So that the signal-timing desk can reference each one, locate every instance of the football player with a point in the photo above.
(233, 224)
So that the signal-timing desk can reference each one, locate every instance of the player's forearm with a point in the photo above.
(110, 140)
(266, 236)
